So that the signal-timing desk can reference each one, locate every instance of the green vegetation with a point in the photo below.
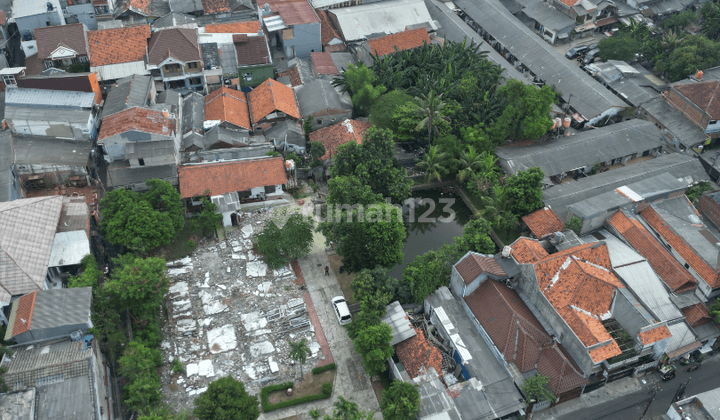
(89, 276)
(291, 241)
(209, 219)
(693, 193)
(526, 112)
(317, 150)
(401, 401)
(575, 224)
(321, 369)
(267, 406)
(538, 388)
(299, 351)
(226, 399)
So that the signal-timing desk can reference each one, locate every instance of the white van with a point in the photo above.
(341, 310)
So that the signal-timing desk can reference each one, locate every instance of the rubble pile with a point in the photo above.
(228, 313)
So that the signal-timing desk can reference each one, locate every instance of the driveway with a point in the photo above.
(351, 380)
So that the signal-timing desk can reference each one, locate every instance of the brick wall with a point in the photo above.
(710, 208)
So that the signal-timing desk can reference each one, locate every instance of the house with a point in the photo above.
(55, 113)
(625, 80)
(337, 134)
(224, 7)
(388, 44)
(330, 38)
(174, 20)
(471, 270)
(551, 24)
(579, 154)
(255, 178)
(681, 230)
(62, 46)
(593, 315)
(271, 103)
(32, 14)
(695, 99)
(704, 405)
(193, 120)
(76, 82)
(506, 320)
(104, 9)
(174, 59)
(291, 25)
(230, 108)
(46, 159)
(140, 144)
(677, 130)
(287, 135)
(320, 100)
(133, 12)
(358, 23)
(682, 167)
(11, 187)
(118, 52)
(254, 63)
(543, 222)
(129, 92)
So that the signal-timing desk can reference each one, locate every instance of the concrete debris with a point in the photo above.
(186, 325)
(247, 231)
(177, 271)
(256, 269)
(261, 348)
(191, 369)
(222, 339)
(178, 290)
(211, 304)
(265, 286)
(273, 365)
(205, 368)
(180, 262)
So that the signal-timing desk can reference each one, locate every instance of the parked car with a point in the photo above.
(341, 310)
(576, 51)
(667, 372)
(591, 56)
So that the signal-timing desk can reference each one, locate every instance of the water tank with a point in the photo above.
(566, 122)
(699, 74)
(76, 335)
(556, 238)
(50, 7)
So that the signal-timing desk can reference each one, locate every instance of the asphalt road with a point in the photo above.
(631, 406)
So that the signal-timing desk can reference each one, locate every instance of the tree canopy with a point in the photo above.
(373, 344)
(524, 191)
(401, 401)
(526, 111)
(538, 388)
(138, 284)
(226, 399)
(292, 241)
(89, 276)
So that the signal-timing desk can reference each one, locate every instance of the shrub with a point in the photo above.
(177, 366)
(267, 407)
(327, 388)
(325, 368)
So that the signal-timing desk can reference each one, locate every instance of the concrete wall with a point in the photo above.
(59, 129)
(625, 313)
(85, 13)
(306, 39)
(41, 19)
(329, 117)
(46, 333)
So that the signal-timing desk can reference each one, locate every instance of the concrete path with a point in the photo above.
(351, 380)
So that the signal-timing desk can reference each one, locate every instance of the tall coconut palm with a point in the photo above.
(431, 107)
(671, 40)
(470, 161)
(433, 164)
(299, 352)
(496, 210)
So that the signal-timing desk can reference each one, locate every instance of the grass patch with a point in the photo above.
(273, 397)
(180, 246)
(344, 278)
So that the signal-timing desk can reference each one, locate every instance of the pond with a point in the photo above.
(424, 234)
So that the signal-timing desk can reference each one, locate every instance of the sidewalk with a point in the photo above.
(607, 393)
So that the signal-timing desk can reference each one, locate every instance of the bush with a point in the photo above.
(177, 366)
(327, 388)
(325, 368)
(267, 407)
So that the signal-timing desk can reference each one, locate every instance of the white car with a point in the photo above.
(341, 310)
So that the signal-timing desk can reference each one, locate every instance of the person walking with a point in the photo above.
(327, 270)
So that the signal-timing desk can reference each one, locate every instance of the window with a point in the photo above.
(193, 65)
(10, 80)
(687, 266)
(248, 77)
(141, 162)
(319, 121)
(270, 189)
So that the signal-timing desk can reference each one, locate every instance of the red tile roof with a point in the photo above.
(271, 96)
(527, 251)
(705, 95)
(685, 251)
(118, 45)
(178, 43)
(654, 335)
(417, 355)
(569, 3)
(605, 352)
(556, 364)
(293, 12)
(402, 41)
(343, 132)
(251, 50)
(138, 119)
(51, 37)
(215, 6)
(323, 63)
(543, 222)
(3, 18)
(470, 267)
(24, 313)
(141, 7)
(294, 75)
(224, 177)
(228, 105)
(247, 27)
(697, 315)
(327, 28)
(665, 265)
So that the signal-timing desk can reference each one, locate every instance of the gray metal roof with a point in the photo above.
(184, 6)
(174, 19)
(56, 401)
(127, 93)
(711, 402)
(682, 336)
(47, 98)
(589, 97)
(319, 95)
(388, 17)
(37, 150)
(59, 307)
(119, 174)
(587, 148)
(287, 130)
(683, 130)
(227, 202)
(8, 186)
(632, 85)
(549, 17)
(193, 113)
(30, 113)
(560, 197)
(396, 319)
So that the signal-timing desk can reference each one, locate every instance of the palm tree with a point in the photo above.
(345, 409)
(671, 40)
(431, 107)
(495, 210)
(299, 352)
(487, 173)
(433, 164)
(470, 161)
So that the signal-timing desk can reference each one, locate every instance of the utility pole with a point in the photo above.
(652, 397)
(681, 391)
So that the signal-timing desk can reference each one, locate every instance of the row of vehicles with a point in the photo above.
(585, 54)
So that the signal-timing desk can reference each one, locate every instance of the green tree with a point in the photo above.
(486, 176)
(348, 410)
(361, 321)
(496, 209)
(373, 344)
(226, 399)
(370, 289)
(401, 401)
(476, 236)
(209, 218)
(139, 285)
(89, 276)
(575, 224)
(453, 148)
(308, 128)
(478, 138)
(538, 388)
(470, 161)
(714, 309)
(354, 78)
(433, 164)
(138, 360)
(143, 394)
(431, 270)
(293, 241)
(526, 113)
(430, 108)
(165, 198)
(365, 97)
(524, 191)
(299, 352)
(317, 151)
(679, 21)
(711, 19)
(107, 324)
(694, 53)
(351, 190)
(383, 109)
(693, 193)
(621, 46)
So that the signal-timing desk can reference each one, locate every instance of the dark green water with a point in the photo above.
(424, 236)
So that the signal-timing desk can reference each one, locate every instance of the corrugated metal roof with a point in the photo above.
(69, 248)
(396, 318)
(682, 336)
(129, 92)
(37, 150)
(119, 70)
(47, 98)
(79, 116)
(683, 130)
(358, 22)
(274, 23)
(589, 97)
(549, 16)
